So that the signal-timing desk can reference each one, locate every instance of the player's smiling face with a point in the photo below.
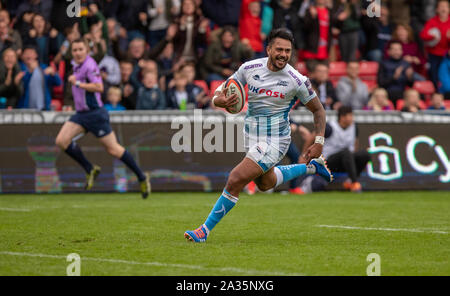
(279, 53)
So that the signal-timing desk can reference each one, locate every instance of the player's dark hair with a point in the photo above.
(344, 110)
(282, 33)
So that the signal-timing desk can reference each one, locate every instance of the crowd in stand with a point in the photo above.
(171, 54)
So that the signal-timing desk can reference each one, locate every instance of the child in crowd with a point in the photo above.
(149, 95)
(379, 101)
(437, 102)
(411, 101)
(114, 96)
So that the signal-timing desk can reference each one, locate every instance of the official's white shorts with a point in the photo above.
(267, 152)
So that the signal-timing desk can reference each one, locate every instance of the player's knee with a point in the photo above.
(61, 142)
(235, 182)
(115, 150)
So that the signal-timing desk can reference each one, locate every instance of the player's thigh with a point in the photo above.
(247, 170)
(111, 145)
(68, 131)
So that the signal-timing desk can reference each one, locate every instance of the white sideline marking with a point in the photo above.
(383, 229)
(14, 210)
(160, 264)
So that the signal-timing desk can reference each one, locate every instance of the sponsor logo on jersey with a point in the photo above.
(299, 82)
(253, 66)
(268, 92)
(257, 78)
(282, 83)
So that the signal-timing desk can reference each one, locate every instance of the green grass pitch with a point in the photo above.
(266, 234)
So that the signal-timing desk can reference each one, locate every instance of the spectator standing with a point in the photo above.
(436, 35)
(250, 25)
(285, 16)
(444, 76)
(347, 14)
(9, 38)
(190, 39)
(317, 31)
(222, 12)
(44, 38)
(42, 7)
(371, 28)
(132, 15)
(160, 14)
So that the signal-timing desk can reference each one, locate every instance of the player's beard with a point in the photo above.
(278, 63)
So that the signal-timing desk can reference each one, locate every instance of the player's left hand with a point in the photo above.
(72, 79)
(313, 151)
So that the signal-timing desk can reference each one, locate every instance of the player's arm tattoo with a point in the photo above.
(318, 112)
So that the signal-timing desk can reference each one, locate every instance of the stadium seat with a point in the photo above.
(301, 68)
(371, 84)
(401, 103)
(215, 84)
(447, 104)
(56, 104)
(425, 88)
(203, 85)
(368, 70)
(337, 70)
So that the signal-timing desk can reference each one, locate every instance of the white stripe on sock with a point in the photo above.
(279, 175)
(230, 197)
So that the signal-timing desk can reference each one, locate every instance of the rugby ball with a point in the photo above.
(235, 87)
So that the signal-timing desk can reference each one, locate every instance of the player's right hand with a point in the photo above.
(222, 101)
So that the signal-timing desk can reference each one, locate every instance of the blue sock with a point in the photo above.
(131, 164)
(292, 171)
(223, 205)
(74, 151)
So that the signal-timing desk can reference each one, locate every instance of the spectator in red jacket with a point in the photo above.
(317, 31)
(250, 26)
(436, 35)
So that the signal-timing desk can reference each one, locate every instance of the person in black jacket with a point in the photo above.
(285, 16)
(222, 12)
(324, 88)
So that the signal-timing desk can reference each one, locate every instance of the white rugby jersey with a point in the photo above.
(271, 95)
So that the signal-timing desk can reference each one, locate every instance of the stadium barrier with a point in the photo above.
(195, 150)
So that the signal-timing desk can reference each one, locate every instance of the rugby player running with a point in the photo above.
(274, 86)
